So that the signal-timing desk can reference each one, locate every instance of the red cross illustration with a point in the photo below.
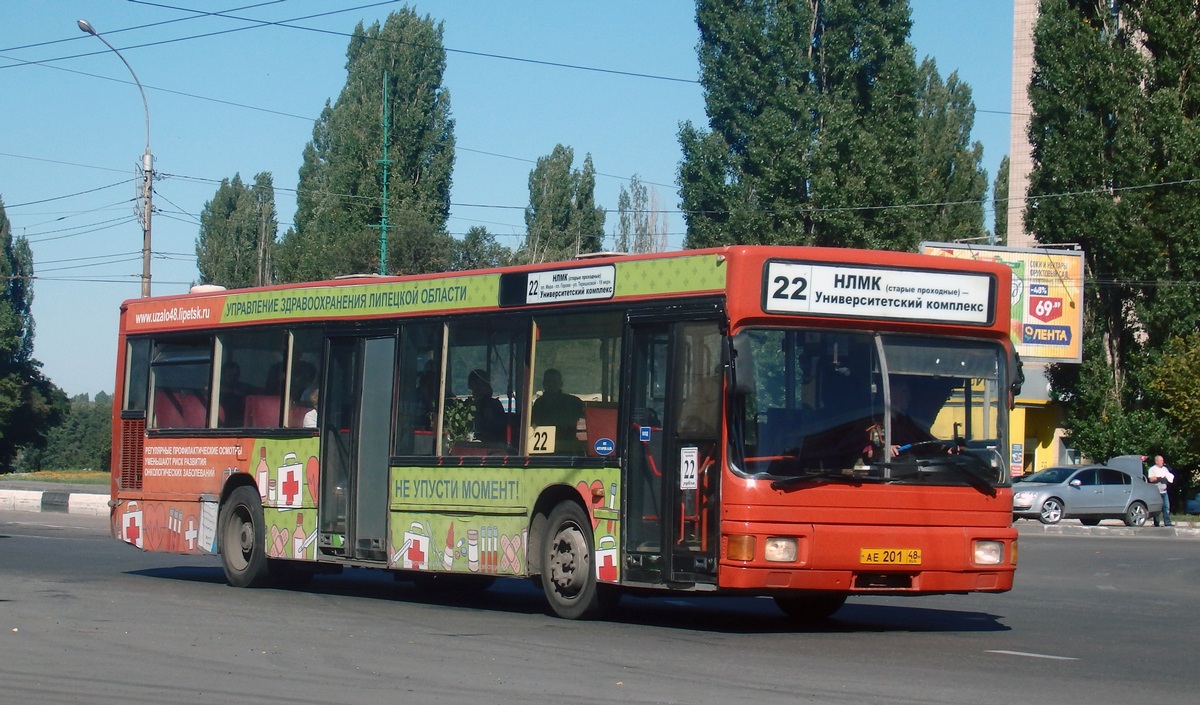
(415, 554)
(132, 532)
(608, 567)
(291, 488)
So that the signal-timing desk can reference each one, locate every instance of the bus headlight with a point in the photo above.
(989, 552)
(780, 550)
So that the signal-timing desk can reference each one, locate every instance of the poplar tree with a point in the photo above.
(952, 182)
(1116, 153)
(1000, 203)
(812, 108)
(237, 233)
(338, 204)
(641, 225)
(824, 131)
(30, 405)
(562, 219)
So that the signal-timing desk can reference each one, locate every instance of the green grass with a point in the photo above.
(74, 477)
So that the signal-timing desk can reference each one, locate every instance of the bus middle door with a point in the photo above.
(355, 422)
(672, 450)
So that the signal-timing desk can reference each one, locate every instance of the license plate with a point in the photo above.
(889, 556)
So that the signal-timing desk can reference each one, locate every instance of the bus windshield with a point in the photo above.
(836, 405)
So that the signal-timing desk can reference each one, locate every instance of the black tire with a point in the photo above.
(568, 564)
(1136, 514)
(243, 539)
(1052, 511)
(810, 607)
(1089, 521)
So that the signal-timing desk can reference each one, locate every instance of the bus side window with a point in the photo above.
(576, 381)
(419, 388)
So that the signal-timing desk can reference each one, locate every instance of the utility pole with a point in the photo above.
(383, 217)
(147, 162)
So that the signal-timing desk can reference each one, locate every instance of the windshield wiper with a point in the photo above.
(846, 476)
(957, 462)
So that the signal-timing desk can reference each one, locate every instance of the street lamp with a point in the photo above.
(147, 162)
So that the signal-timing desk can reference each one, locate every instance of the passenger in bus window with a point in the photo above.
(233, 394)
(489, 412)
(310, 416)
(426, 396)
(561, 410)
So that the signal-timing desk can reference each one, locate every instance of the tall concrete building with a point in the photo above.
(1025, 13)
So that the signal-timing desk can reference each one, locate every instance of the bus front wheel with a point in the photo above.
(568, 568)
(810, 607)
(243, 542)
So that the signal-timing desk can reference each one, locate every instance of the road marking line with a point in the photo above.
(1030, 655)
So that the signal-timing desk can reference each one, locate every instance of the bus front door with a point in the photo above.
(355, 420)
(671, 474)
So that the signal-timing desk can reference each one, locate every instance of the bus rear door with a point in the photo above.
(355, 422)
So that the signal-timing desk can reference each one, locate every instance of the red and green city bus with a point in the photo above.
(802, 423)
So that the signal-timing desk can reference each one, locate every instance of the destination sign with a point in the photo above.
(558, 286)
(873, 292)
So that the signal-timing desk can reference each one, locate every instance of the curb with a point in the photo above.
(87, 503)
(1189, 530)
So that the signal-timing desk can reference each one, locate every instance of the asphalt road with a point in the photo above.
(84, 619)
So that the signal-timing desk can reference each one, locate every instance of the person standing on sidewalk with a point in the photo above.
(1162, 475)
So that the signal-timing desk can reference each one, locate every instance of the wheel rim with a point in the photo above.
(1139, 514)
(240, 534)
(570, 562)
(1051, 512)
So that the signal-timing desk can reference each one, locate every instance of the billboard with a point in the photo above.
(1047, 296)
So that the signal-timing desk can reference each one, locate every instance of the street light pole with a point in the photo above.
(147, 162)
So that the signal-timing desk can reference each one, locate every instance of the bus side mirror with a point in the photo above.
(743, 364)
(1016, 372)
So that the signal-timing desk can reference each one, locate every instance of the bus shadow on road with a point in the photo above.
(733, 615)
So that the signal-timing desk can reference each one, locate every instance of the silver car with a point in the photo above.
(1088, 493)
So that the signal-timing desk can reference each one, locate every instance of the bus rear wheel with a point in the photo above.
(243, 542)
(568, 564)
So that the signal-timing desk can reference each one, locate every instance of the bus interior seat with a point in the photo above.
(296, 415)
(179, 409)
(262, 410)
(601, 422)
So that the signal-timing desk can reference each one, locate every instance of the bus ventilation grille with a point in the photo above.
(133, 435)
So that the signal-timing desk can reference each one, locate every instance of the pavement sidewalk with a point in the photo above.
(27, 496)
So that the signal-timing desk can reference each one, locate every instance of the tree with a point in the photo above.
(562, 219)
(1175, 382)
(237, 233)
(1000, 203)
(339, 205)
(642, 226)
(1116, 154)
(812, 109)
(81, 441)
(479, 250)
(29, 403)
(951, 180)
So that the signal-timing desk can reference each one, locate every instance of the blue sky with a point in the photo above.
(233, 96)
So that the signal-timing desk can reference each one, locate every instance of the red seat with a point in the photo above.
(601, 423)
(263, 411)
(296, 416)
(179, 409)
